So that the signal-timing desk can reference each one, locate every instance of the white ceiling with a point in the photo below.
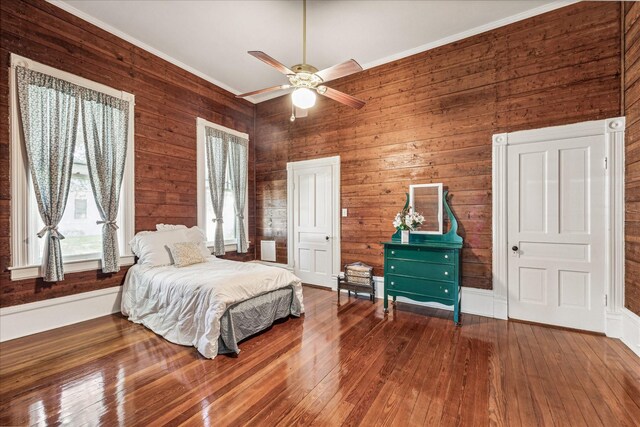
(211, 38)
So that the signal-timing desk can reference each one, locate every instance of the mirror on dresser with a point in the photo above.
(426, 199)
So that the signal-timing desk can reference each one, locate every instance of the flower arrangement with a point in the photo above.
(407, 219)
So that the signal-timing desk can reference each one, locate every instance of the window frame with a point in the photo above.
(20, 180)
(229, 245)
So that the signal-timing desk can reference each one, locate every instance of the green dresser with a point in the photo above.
(427, 269)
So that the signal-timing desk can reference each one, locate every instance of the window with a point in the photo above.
(205, 208)
(82, 245)
(228, 215)
(80, 206)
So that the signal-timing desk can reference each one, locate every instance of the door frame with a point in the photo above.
(334, 162)
(613, 132)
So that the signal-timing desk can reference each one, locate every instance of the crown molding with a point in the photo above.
(390, 58)
(142, 45)
(472, 32)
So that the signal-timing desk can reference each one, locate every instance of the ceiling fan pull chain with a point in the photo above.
(304, 31)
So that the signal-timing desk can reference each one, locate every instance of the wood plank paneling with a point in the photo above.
(336, 365)
(632, 155)
(430, 117)
(168, 101)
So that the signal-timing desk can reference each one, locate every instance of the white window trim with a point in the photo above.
(20, 179)
(230, 245)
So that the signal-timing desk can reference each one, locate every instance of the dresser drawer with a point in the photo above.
(421, 287)
(423, 254)
(421, 270)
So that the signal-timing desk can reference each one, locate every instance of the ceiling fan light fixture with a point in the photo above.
(303, 98)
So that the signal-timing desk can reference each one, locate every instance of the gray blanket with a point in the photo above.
(256, 314)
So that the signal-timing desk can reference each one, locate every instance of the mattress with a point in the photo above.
(256, 314)
(185, 305)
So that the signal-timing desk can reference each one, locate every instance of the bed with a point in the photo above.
(211, 305)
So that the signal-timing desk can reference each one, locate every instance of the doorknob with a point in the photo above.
(514, 248)
(326, 238)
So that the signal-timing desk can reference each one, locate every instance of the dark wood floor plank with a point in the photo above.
(347, 365)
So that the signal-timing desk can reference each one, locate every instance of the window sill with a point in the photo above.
(33, 271)
(228, 246)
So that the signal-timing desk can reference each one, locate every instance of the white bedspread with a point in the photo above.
(185, 305)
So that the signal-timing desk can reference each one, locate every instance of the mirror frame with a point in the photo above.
(440, 222)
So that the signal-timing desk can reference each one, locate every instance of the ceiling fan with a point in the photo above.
(306, 80)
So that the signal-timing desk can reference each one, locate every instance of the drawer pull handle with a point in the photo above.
(393, 252)
(393, 283)
(446, 256)
(392, 267)
(446, 273)
(446, 291)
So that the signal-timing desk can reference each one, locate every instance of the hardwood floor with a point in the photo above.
(348, 365)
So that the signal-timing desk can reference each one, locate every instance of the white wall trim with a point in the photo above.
(613, 131)
(34, 271)
(471, 32)
(473, 301)
(334, 162)
(274, 264)
(21, 224)
(202, 195)
(631, 330)
(422, 48)
(31, 318)
(134, 41)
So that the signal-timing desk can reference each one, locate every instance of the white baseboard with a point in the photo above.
(474, 301)
(613, 325)
(631, 330)
(27, 319)
(274, 264)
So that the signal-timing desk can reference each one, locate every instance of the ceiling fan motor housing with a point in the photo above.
(305, 76)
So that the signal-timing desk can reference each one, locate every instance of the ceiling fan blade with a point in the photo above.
(269, 89)
(339, 70)
(341, 97)
(270, 61)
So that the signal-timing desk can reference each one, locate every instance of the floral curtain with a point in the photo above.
(105, 121)
(49, 111)
(216, 147)
(238, 157)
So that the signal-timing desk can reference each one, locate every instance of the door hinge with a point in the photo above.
(606, 162)
(606, 300)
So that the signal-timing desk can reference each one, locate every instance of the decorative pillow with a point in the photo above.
(186, 253)
(167, 227)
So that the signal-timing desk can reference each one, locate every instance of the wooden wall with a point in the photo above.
(632, 155)
(430, 118)
(168, 101)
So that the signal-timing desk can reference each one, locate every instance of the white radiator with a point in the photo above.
(268, 250)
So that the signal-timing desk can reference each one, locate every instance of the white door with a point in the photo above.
(556, 232)
(313, 221)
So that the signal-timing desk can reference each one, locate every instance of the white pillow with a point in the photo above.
(151, 247)
(167, 227)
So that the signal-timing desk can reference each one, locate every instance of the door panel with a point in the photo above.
(556, 205)
(313, 250)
